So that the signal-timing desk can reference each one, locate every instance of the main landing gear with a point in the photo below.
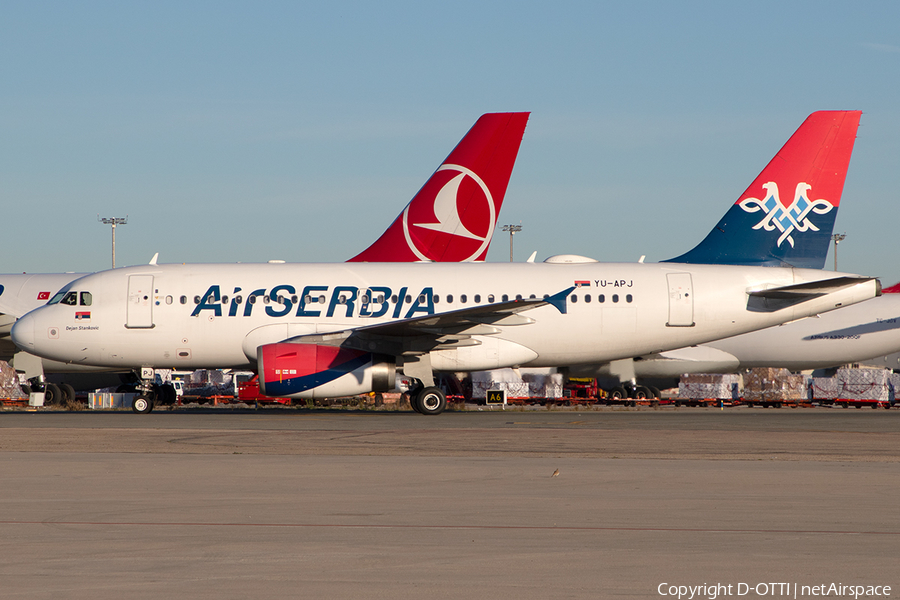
(428, 400)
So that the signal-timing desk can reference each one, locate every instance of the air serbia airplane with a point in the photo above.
(814, 159)
(316, 330)
(451, 219)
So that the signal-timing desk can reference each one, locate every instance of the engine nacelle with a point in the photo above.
(312, 371)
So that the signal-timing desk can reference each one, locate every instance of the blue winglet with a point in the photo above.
(559, 299)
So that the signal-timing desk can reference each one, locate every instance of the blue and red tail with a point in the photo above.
(786, 216)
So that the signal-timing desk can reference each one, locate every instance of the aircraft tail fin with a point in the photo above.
(452, 218)
(786, 217)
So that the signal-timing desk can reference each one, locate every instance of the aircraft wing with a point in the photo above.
(444, 330)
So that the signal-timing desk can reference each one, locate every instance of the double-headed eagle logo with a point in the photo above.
(786, 218)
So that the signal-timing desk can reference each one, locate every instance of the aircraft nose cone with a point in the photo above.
(22, 333)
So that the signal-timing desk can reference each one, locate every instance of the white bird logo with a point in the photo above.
(447, 214)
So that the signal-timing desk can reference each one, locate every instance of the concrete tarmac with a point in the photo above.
(325, 504)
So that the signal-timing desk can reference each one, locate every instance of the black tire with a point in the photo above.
(642, 393)
(68, 392)
(655, 391)
(26, 389)
(414, 399)
(165, 394)
(142, 404)
(53, 395)
(431, 401)
(617, 393)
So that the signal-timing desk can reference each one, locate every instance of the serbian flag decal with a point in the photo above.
(83, 316)
(584, 283)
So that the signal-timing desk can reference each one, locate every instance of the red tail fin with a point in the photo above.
(452, 218)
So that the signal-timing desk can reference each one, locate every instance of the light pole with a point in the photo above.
(513, 230)
(113, 221)
(838, 238)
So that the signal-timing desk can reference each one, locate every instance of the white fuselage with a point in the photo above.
(188, 316)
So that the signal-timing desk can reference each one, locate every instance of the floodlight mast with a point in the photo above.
(113, 221)
(512, 229)
(838, 238)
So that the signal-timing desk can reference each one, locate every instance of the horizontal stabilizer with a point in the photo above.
(812, 289)
(773, 299)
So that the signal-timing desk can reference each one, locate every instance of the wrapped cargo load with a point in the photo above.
(768, 385)
(868, 385)
(706, 386)
(9, 383)
(528, 383)
(825, 389)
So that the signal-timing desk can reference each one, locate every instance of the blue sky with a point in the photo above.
(248, 131)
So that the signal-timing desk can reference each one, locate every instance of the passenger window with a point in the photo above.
(266, 299)
(169, 299)
(342, 299)
(615, 298)
(463, 298)
(321, 299)
(394, 299)
(380, 299)
(628, 298)
(532, 297)
(294, 300)
(238, 299)
(546, 296)
(196, 299)
(87, 299)
(435, 299)
(477, 298)
(449, 298)
(408, 298)
(251, 299)
(183, 299)
(587, 297)
(225, 299)
(601, 299)
(518, 297)
(574, 298)
(505, 298)
(490, 298)
(364, 299)
(71, 299)
(422, 299)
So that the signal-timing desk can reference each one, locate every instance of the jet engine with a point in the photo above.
(313, 371)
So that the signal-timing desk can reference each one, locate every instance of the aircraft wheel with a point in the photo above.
(414, 399)
(654, 391)
(165, 394)
(141, 404)
(642, 393)
(26, 389)
(617, 393)
(52, 394)
(431, 401)
(68, 392)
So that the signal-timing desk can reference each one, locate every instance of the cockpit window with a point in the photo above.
(59, 296)
(86, 298)
(70, 298)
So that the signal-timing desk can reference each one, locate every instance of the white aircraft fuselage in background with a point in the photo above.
(200, 316)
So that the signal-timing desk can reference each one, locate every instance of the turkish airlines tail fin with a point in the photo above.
(786, 216)
(453, 216)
